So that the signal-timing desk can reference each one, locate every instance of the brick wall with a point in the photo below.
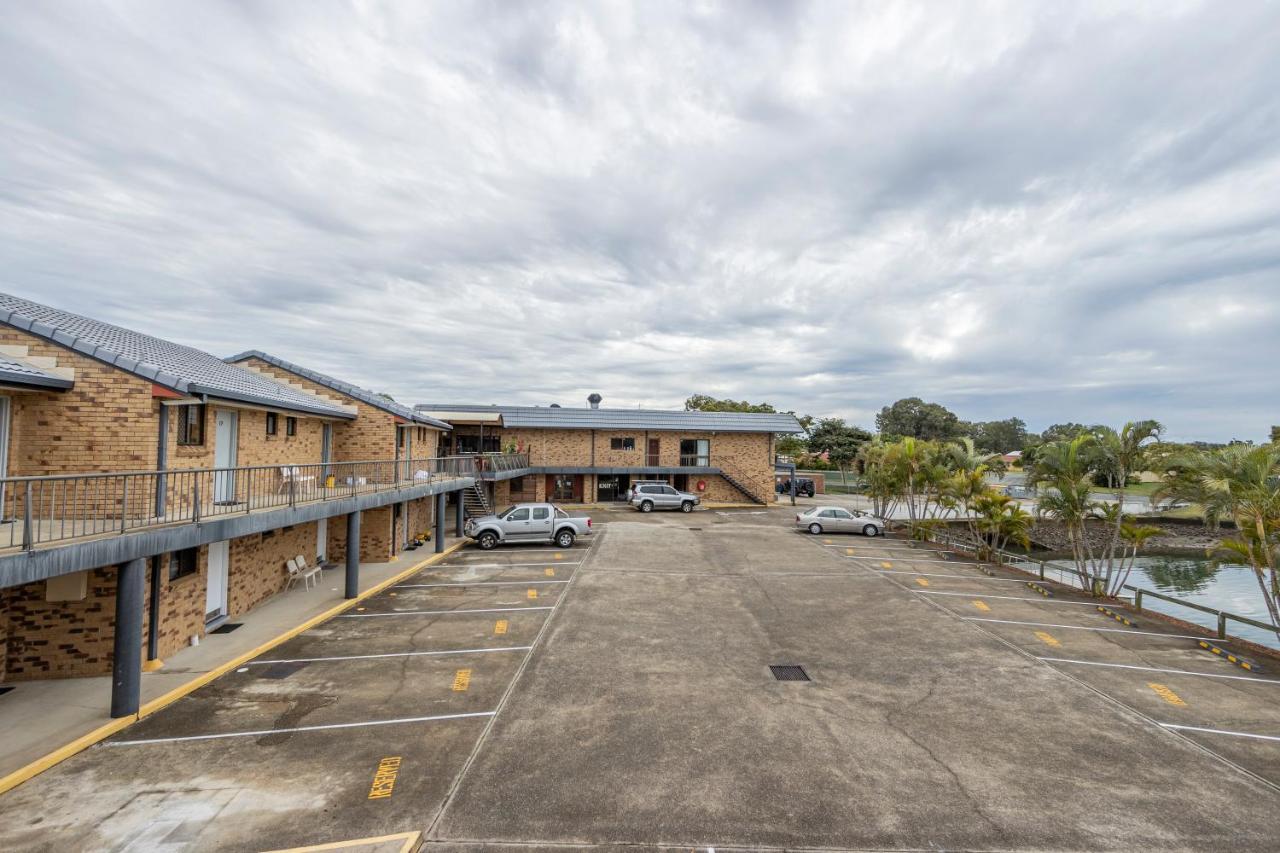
(65, 639)
(257, 564)
(746, 456)
(107, 422)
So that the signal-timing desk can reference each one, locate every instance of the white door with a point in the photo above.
(224, 454)
(322, 539)
(216, 590)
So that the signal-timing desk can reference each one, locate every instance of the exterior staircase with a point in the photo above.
(739, 484)
(474, 501)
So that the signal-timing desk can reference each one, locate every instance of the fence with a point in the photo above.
(1018, 562)
(41, 510)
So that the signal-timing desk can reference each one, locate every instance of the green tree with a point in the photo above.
(1240, 483)
(912, 417)
(838, 440)
(704, 403)
(999, 436)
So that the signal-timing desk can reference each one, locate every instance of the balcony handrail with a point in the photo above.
(136, 472)
(43, 509)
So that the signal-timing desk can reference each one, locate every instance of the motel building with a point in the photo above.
(594, 454)
(149, 492)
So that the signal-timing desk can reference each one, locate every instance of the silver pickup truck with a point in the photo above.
(528, 523)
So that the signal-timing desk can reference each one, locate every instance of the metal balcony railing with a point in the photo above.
(701, 460)
(41, 510)
(482, 462)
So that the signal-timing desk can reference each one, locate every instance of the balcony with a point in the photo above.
(492, 466)
(42, 511)
(695, 460)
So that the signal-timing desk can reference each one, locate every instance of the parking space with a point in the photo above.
(353, 728)
(649, 715)
(621, 693)
(1143, 663)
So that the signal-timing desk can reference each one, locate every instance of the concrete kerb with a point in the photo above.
(62, 753)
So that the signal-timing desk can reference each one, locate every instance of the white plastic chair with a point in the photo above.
(305, 568)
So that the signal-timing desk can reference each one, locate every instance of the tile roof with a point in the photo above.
(555, 417)
(14, 372)
(182, 368)
(354, 391)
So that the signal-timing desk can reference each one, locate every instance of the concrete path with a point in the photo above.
(620, 693)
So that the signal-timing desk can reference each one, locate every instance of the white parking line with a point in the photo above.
(1164, 670)
(1081, 627)
(1219, 732)
(392, 655)
(474, 583)
(887, 548)
(436, 612)
(430, 719)
(574, 548)
(958, 577)
(1007, 598)
(907, 560)
(550, 563)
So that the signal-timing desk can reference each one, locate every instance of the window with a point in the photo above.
(541, 513)
(521, 514)
(290, 426)
(191, 425)
(272, 422)
(695, 451)
(622, 444)
(183, 563)
(517, 484)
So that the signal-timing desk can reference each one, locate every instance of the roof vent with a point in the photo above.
(594, 400)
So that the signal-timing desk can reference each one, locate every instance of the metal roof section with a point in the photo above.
(182, 368)
(14, 371)
(354, 391)
(556, 417)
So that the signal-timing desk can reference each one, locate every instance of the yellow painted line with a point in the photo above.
(1048, 639)
(559, 556)
(462, 680)
(848, 552)
(981, 605)
(922, 581)
(1166, 694)
(384, 778)
(550, 572)
(62, 753)
(886, 565)
(410, 843)
(827, 542)
(500, 627)
(533, 593)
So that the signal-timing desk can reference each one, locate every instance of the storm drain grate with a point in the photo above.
(699, 529)
(280, 670)
(789, 672)
(226, 628)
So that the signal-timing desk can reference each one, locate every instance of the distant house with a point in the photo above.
(1013, 457)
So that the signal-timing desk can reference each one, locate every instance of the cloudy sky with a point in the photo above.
(1060, 211)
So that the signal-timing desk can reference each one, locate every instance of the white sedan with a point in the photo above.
(837, 519)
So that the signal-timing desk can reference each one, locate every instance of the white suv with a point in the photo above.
(647, 497)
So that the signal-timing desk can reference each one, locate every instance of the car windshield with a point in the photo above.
(506, 512)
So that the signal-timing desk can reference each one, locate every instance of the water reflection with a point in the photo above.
(1177, 574)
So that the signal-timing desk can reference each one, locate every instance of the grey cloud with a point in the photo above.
(1055, 212)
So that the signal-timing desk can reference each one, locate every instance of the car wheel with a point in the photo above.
(565, 538)
(687, 506)
(646, 506)
(487, 541)
(870, 530)
(809, 493)
(815, 529)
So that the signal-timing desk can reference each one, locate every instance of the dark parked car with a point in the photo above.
(804, 486)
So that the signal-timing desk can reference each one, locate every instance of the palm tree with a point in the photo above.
(1121, 455)
(1000, 520)
(1241, 483)
(1064, 467)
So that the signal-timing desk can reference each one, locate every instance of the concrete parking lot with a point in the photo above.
(620, 692)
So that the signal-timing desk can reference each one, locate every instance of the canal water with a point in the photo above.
(1197, 580)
